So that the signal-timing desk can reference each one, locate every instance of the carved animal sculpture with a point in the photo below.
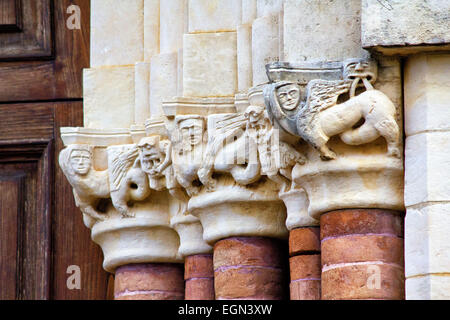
(127, 180)
(89, 185)
(320, 117)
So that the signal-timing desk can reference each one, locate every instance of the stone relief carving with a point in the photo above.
(128, 182)
(319, 116)
(89, 185)
(187, 152)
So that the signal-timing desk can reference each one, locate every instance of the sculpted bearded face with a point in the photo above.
(191, 131)
(360, 69)
(81, 161)
(289, 96)
(254, 116)
(150, 155)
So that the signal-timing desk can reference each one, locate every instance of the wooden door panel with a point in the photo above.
(33, 40)
(51, 232)
(59, 75)
(10, 16)
(10, 213)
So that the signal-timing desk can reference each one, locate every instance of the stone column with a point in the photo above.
(150, 281)
(250, 268)
(362, 254)
(199, 277)
(427, 176)
(425, 40)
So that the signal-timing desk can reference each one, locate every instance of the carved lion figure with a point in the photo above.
(89, 185)
(320, 117)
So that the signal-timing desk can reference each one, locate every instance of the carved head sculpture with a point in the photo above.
(288, 96)
(255, 116)
(360, 68)
(191, 129)
(76, 159)
(150, 153)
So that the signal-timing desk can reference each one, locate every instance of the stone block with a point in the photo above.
(268, 7)
(117, 32)
(249, 11)
(142, 92)
(265, 46)
(304, 240)
(163, 81)
(214, 15)
(395, 26)
(109, 97)
(327, 30)
(210, 64)
(151, 28)
(427, 83)
(427, 168)
(173, 17)
(244, 57)
(305, 267)
(427, 239)
(305, 290)
(429, 287)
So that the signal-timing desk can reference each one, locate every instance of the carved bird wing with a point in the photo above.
(121, 160)
(323, 94)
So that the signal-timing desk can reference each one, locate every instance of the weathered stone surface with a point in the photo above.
(151, 28)
(200, 289)
(428, 287)
(199, 266)
(268, 7)
(109, 97)
(248, 251)
(327, 30)
(427, 83)
(427, 168)
(163, 81)
(244, 57)
(360, 248)
(249, 11)
(400, 24)
(305, 267)
(304, 240)
(210, 64)
(149, 281)
(142, 93)
(427, 239)
(173, 15)
(254, 283)
(117, 31)
(360, 282)
(361, 221)
(305, 290)
(266, 46)
(214, 15)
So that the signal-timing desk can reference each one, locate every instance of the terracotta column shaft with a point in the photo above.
(152, 281)
(199, 276)
(250, 268)
(362, 254)
(304, 262)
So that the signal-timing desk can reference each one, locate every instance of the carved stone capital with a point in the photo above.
(350, 132)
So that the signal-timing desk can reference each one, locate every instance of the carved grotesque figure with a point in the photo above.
(156, 160)
(128, 181)
(188, 151)
(320, 117)
(277, 158)
(89, 185)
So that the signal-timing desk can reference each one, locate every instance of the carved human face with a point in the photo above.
(81, 161)
(150, 157)
(254, 116)
(192, 131)
(360, 69)
(289, 96)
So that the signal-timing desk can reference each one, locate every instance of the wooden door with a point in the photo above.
(41, 230)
